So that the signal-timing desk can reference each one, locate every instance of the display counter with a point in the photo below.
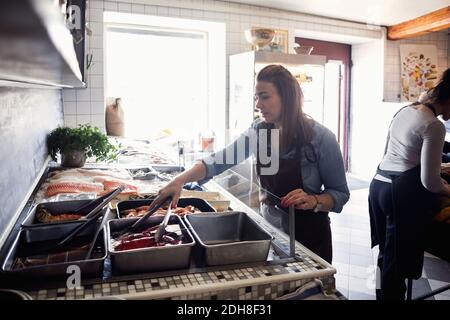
(280, 275)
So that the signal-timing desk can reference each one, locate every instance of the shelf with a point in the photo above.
(37, 47)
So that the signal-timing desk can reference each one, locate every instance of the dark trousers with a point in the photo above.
(392, 284)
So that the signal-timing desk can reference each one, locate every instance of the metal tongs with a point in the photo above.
(90, 218)
(162, 226)
(142, 220)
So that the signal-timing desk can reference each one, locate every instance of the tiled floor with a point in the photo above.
(355, 261)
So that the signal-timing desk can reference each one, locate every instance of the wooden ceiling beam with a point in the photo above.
(433, 21)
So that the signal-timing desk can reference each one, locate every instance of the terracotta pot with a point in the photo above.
(115, 124)
(73, 158)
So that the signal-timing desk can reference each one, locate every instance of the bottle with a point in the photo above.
(207, 139)
(115, 122)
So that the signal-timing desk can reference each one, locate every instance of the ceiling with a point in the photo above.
(378, 12)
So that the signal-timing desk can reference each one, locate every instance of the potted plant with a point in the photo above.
(75, 144)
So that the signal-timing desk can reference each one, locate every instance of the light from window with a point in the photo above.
(161, 77)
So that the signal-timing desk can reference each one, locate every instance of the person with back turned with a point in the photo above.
(402, 194)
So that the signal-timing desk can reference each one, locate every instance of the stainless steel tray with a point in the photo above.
(36, 237)
(229, 238)
(200, 204)
(150, 259)
(59, 207)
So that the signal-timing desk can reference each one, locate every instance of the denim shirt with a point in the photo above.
(322, 173)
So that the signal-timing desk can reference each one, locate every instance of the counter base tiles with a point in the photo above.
(266, 282)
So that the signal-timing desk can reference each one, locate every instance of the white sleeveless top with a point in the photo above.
(416, 137)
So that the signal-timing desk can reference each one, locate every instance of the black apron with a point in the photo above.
(311, 229)
(413, 207)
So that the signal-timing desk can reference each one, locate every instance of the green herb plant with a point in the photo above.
(83, 138)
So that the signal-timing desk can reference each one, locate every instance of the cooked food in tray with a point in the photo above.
(146, 239)
(43, 215)
(140, 211)
(75, 252)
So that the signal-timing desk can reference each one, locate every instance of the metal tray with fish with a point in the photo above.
(23, 260)
(124, 208)
(148, 259)
(50, 213)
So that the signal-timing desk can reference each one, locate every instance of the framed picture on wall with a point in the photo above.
(419, 71)
(279, 42)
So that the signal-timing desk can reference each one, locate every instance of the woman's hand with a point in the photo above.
(172, 189)
(299, 199)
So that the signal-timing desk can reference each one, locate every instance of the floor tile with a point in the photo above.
(342, 284)
(361, 272)
(345, 238)
(437, 269)
(341, 246)
(361, 233)
(362, 261)
(355, 295)
(420, 287)
(441, 297)
(355, 260)
(341, 256)
(361, 250)
(365, 242)
(366, 286)
(435, 284)
(342, 268)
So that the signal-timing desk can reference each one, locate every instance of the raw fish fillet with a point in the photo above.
(72, 187)
(111, 184)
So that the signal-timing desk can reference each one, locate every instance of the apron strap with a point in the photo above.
(389, 129)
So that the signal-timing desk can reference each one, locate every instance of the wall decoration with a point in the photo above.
(418, 70)
(279, 42)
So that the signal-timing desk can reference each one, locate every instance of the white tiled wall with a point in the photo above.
(87, 105)
(372, 110)
(392, 63)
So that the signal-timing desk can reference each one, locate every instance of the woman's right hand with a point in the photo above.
(173, 190)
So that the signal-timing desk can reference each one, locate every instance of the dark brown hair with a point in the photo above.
(441, 92)
(293, 120)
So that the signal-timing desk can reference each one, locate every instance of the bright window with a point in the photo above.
(165, 70)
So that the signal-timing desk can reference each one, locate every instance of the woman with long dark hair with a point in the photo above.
(402, 193)
(310, 171)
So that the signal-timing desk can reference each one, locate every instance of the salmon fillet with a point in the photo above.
(111, 184)
(72, 187)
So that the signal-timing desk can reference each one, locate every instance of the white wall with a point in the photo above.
(371, 116)
(372, 110)
(87, 105)
(392, 86)
(366, 96)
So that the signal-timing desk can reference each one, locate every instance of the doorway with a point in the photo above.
(337, 88)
